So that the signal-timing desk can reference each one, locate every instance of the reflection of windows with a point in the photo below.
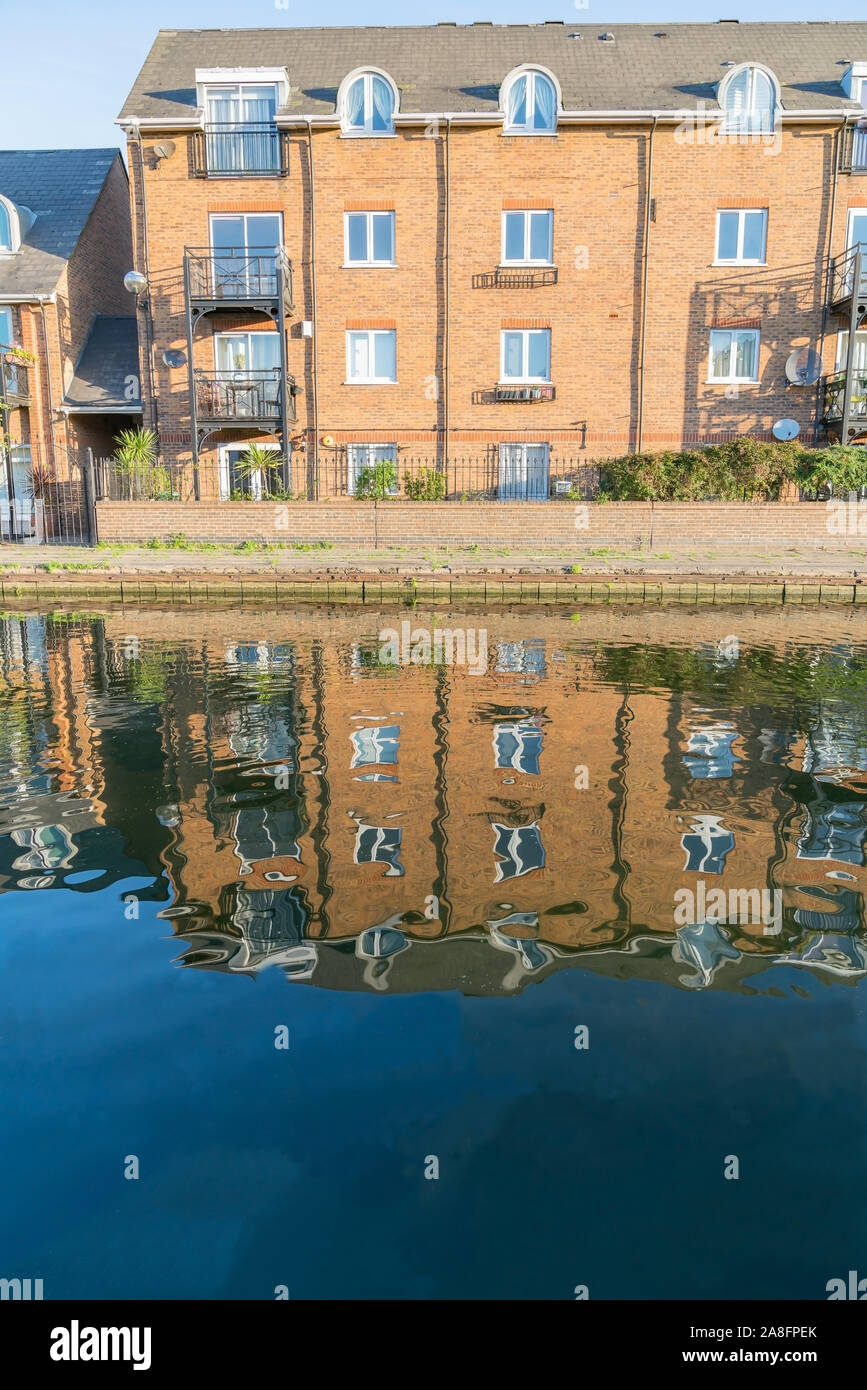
(50, 846)
(258, 732)
(520, 850)
(834, 832)
(527, 655)
(378, 844)
(709, 753)
(518, 746)
(264, 833)
(706, 844)
(372, 746)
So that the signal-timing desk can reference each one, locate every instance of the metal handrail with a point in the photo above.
(240, 149)
(236, 274)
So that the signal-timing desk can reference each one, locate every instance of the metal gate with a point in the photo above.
(46, 503)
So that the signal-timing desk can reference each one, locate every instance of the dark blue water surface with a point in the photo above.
(216, 825)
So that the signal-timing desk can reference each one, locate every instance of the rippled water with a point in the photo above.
(568, 907)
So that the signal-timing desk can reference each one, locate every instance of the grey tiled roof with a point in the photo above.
(446, 67)
(110, 355)
(60, 187)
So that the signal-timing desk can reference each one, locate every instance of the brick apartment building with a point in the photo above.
(527, 247)
(68, 355)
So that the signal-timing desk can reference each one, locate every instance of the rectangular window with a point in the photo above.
(6, 328)
(734, 354)
(525, 354)
(528, 238)
(372, 470)
(369, 238)
(244, 251)
(523, 472)
(375, 746)
(371, 356)
(741, 236)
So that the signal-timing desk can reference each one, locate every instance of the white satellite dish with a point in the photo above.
(786, 429)
(803, 366)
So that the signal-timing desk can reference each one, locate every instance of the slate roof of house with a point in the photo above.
(108, 358)
(459, 68)
(60, 187)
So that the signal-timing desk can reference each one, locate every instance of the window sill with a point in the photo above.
(733, 381)
(369, 265)
(526, 265)
(368, 134)
(525, 381)
(529, 134)
(371, 381)
(735, 263)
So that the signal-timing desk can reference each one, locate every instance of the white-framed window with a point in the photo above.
(749, 98)
(240, 103)
(528, 237)
(239, 354)
(367, 102)
(368, 238)
(525, 354)
(241, 137)
(529, 103)
(856, 228)
(741, 236)
(734, 354)
(523, 472)
(371, 356)
(376, 465)
(376, 746)
(237, 480)
(6, 338)
(244, 247)
(248, 374)
(8, 218)
(860, 351)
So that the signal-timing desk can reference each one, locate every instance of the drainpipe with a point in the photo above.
(639, 430)
(314, 354)
(446, 270)
(146, 309)
(49, 385)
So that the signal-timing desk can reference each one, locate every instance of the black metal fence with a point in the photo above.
(45, 503)
(364, 472)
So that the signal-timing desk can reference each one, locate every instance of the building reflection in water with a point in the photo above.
(295, 803)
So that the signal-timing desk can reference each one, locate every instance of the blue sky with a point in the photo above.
(68, 64)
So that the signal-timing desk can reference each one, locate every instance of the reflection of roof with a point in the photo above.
(60, 187)
(109, 358)
(446, 67)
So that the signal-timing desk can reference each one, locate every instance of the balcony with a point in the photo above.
(14, 382)
(243, 398)
(542, 391)
(853, 150)
(848, 281)
(229, 150)
(845, 418)
(506, 277)
(235, 278)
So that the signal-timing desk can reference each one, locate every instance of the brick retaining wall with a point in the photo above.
(367, 525)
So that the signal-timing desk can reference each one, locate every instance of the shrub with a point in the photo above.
(842, 468)
(427, 486)
(745, 469)
(377, 479)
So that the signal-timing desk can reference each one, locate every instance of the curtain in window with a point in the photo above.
(761, 117)
(746, 355)
(516, 112)
(5, 228)
(546, 104)
(736, 95)
(355, 105)
(382, 104)
(385, 356)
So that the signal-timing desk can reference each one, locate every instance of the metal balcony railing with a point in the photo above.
(835, 407)
(237, 397)
(853, 149)
(230, 149)
(237, 277)
(544, 391)
(14, 382)
(848, 277)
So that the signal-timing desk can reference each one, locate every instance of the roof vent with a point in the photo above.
(728, 21)
(575, 36)
(607, 37)
(661, 35)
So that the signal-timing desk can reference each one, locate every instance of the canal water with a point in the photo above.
(423, 954)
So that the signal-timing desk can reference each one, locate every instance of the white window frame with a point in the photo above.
(524, 379)
(244, 218)
(742, 123)
(731, 379)
(366, 131)
(7, 340)
(354, 465)
(850, 223)
(14, 228)
(369, 380)
(227, 373)
(739, 258)
(527, 213)
(225, 475)
(368, 216)
(531, 74)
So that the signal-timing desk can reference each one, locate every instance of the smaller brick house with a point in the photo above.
(69, 375)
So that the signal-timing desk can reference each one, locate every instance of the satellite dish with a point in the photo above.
(135, 282)
(165, 149)
(786, 429)
(804, 366)
(173, 357)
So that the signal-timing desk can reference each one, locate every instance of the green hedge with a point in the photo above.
(746, 469)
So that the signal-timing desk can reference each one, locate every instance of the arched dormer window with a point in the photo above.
(10, 235)
(749, 96)
(367, 101)
(529, 100)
